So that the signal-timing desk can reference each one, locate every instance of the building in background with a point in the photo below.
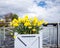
(6, 19)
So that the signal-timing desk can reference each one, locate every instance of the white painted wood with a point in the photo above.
(30, 42)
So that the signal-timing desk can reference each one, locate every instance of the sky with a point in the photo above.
(49, 10)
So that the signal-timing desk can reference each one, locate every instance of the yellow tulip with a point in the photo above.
(40, 22)
(27, 24)
(34, 30)
(29, 27)
(15, 21)
(15, 25)
(14, 37)
(23, 20)
(35, 21)
(26, 16)
(45, 22)
(19, 20)
(11, 33)
(11, 23)
(34, 24)
(31, 19)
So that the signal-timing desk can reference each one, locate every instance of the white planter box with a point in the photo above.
(28, 41)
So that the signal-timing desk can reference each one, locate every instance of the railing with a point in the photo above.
(51, 37)
(5, 38)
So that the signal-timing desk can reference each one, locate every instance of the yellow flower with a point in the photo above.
(11, 33)
(19, 20)
(34, 24)
(11, 23)
(26, 16)
(15, 25)
(31, 19)
(14, 37)
(34, 30)
(25, 19)
(29, 27)
(35, 20)
(40, 22)
(45, 22)
(15, 21)
(27, 24)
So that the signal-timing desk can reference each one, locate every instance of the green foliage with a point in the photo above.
(14, 16)
(21, 29)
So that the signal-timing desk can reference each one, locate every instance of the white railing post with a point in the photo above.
(4, 32)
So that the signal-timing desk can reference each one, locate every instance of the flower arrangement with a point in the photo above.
(27, 25)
